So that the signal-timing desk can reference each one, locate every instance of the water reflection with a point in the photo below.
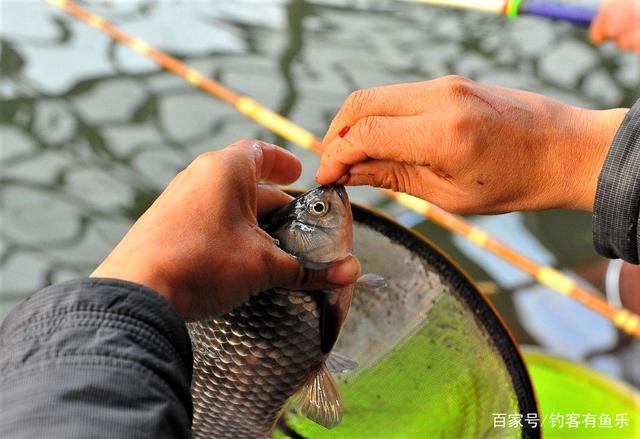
(91, 132)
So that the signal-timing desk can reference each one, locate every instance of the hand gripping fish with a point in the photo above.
(251, 361)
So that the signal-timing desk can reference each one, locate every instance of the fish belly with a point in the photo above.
(249, 362)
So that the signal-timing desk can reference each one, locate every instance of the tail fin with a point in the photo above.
(319, 400)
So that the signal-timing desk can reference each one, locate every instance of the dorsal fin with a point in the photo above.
(319, 399)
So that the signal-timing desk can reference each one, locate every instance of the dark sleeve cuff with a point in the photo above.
(95, 358)
(616, 222)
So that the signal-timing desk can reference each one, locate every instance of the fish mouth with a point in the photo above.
(341, 191)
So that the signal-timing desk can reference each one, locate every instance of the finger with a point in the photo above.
(270, 198)
(398, 177)
(344, 272)
(596, 30)
(616, 22)
(402, 139)
(389, 100)
(395, 100)
(273, 163)
(288, 272)
(422, 182)
(630, 40)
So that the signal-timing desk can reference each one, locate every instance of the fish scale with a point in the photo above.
(255, 374)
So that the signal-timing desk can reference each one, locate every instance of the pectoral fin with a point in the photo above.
(319, 400)
(338, 363)
(371, 281)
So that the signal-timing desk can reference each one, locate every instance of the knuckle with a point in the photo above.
(206, 158)
(458, 86)
(358, 100)
(405, 180)
(204, 162)
(401, 180)
(239, 148)
(243, 141)
(389, 181)
(237, 159)
(241, 145)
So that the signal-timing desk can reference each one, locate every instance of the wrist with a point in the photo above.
(586, 145)
(146, 276)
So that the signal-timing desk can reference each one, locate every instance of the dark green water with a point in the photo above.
(91, 132)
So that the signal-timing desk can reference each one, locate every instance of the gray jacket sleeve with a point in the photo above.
(95, 358)
(616, 218)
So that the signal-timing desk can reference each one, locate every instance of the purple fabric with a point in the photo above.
(577, 14)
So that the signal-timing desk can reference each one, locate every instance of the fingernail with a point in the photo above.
(343, 132)
(343, 180)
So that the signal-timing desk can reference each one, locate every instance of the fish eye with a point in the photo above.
(318, 208)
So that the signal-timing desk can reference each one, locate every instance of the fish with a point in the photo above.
(249, 363)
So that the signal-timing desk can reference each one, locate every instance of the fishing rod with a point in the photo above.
(581, 15)
(624, 319)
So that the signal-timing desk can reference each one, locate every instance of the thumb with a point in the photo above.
(288, 272)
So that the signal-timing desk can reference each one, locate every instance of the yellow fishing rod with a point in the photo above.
(559, 282)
